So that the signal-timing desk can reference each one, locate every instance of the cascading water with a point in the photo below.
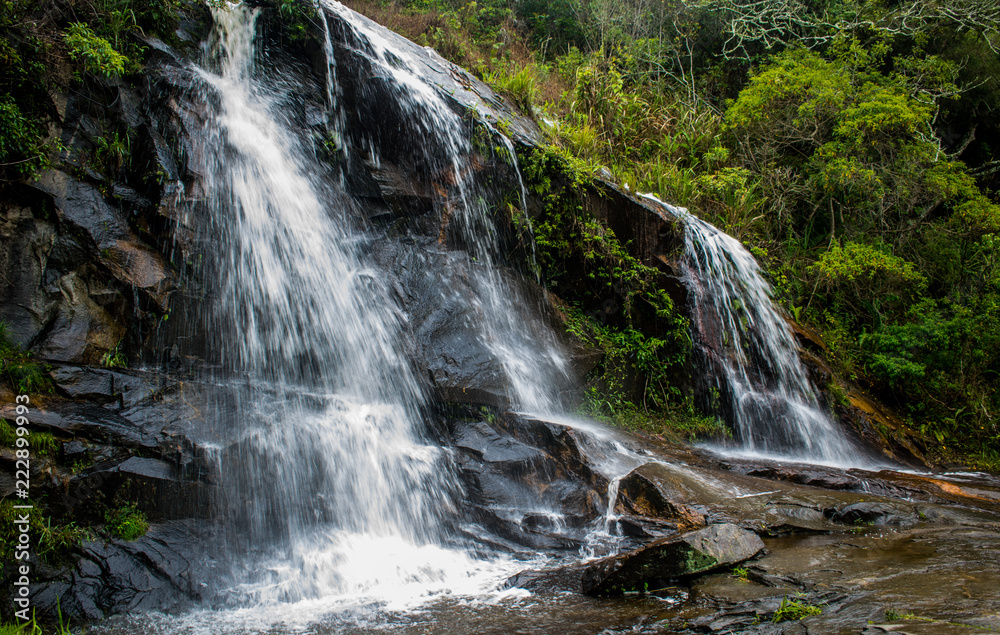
(332, 481)
(761, 384)
(534, 366)
(525, 347)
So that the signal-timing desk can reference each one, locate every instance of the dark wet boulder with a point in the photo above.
(80, 382)
(688, 554)
(642, 496)
(160, 570)
(559, 580)
(526, 481)
(643, 528)
(782, 520)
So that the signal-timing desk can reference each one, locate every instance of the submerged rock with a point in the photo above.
(669, 558)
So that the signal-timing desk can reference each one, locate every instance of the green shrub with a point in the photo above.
(126, 522)
(297, 15)
(20, 140)
(95, 53)
(25, 375)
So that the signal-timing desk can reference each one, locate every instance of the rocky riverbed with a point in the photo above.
(844, 551)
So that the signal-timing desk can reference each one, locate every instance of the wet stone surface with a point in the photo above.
(685, 555)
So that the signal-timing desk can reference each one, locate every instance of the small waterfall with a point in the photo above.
(760, 384)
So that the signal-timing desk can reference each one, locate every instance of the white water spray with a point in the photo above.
(526, 348)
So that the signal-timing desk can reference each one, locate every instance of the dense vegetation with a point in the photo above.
(849, 144)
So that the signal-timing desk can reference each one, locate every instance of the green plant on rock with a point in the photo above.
(94, 52)
(794, 610)
(56, 543)
(23, 628)
(611, 293)
(25, 375)
(32, 627)
(892, 615)
(52, 542)
(112, 153)
(114, 358)
(126, 522)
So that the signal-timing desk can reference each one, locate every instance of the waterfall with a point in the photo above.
(333, 487)
(748, 350)
(331, 481)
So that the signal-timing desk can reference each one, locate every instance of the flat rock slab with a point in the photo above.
(688, 554)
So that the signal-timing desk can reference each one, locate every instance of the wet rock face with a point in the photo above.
(643, 500)
(159, 571)
(527, 480)
(688, 554)
(125, 438)
(84, 241)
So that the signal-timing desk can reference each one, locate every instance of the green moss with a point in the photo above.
(838, 393)
(41, 443)
(616, 304)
